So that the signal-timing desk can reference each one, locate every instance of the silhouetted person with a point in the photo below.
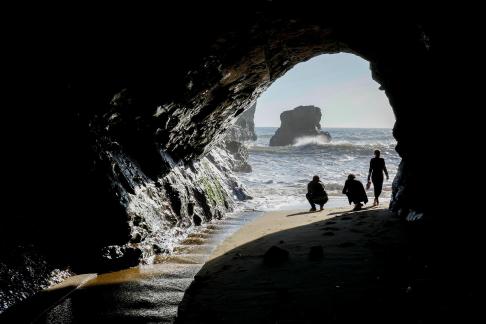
(377, 167)
(316, 193)
(355, 191)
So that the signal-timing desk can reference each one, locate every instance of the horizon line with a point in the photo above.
(339, 127)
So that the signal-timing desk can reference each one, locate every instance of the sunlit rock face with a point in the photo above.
(233, 142)
(243, 130)
(118, 119)
(300, 122)
(159, 213)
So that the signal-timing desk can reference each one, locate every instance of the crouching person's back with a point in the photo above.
(316, 194)
(355, 191)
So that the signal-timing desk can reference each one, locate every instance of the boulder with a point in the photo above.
(275, 256)
(302, 121)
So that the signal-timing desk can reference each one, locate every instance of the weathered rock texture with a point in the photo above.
(299, 122)
(115, 114)
(23, 271)
(238, 155)
(233, 142)
(153, 214)
(244, 128)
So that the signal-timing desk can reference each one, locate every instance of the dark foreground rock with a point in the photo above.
(24, 271)
(113, 124)
(302, 121)
(153, 214)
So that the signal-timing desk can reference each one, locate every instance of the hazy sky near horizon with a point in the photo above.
(340, 84)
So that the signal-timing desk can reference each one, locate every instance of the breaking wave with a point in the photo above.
(280, 174)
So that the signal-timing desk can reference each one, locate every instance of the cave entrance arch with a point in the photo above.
(167, 103)
(355, 113)
(171, 86)
(231, 78)
(174, 93)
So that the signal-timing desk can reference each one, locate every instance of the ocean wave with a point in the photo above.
(281, 173)
(312, 140)
(324, 142)
(310, 147)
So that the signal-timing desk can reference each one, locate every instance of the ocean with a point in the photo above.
(280, 174)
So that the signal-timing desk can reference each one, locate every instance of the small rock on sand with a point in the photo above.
(275, 255)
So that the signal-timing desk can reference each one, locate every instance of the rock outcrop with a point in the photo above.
(175, 203)
(238, 155)
(187, 196)
(302, 121)
(236, 136)
(244, 128)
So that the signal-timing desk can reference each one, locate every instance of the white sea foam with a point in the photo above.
(311, 140)
(280, 174)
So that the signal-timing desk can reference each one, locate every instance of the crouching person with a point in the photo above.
(316, 194)
(355, 191)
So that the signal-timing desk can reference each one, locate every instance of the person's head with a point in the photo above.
(377, 153)
(351, 177)
(315, 178)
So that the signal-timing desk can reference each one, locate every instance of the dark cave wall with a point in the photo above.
(117, 116)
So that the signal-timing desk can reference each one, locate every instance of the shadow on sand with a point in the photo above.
(359, 267)
(304, 213)
(352, 211)
(369, 272)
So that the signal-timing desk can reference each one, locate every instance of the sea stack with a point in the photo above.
(299, 122)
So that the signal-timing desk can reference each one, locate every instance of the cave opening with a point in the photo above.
(355, 113)
(124, 119)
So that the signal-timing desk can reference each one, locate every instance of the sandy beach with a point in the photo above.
(330, 266)
(341, 266)
(272, 223)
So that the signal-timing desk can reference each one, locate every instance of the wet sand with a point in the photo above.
(364, 274)
(144, 294)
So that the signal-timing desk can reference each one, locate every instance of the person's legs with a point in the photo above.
(322, 201)
(377, 187)
(357, 204)
(311, 202)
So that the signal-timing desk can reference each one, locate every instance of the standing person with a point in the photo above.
(377, 167)
(355, 191)
(316, 193)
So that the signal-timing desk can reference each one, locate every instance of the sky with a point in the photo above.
(339, 84)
